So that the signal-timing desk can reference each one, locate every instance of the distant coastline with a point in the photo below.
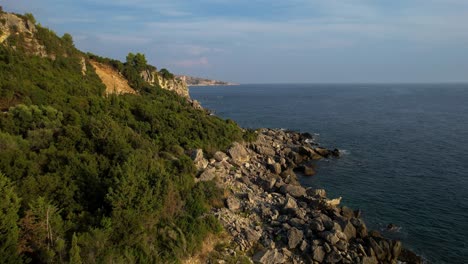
(196, 81)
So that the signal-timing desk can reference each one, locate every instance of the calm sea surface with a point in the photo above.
(406, 151)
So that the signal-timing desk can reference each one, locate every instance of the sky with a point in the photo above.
(272, 41)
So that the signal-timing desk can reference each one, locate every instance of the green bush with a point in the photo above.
(108, 175)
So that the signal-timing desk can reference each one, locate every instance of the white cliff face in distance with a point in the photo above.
(196, 81)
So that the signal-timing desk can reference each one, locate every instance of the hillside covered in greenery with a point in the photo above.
(89, 178)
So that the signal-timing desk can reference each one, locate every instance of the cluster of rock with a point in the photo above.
(14, 25)
(269, 214)
(175, 84)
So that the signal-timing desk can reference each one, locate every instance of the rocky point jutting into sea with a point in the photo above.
(271, 218)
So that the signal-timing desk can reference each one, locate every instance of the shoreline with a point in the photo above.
(271, 218)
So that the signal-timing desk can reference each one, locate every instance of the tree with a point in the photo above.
(9, 231)
(68, 39)
(42, 230)
(137, 61)
(75, 257)
(166, 74)
(30, 17)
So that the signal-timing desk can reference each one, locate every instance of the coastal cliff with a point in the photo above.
(170, 82)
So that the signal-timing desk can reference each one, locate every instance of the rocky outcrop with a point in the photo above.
(269, 214)
(13, 26)
(175, 84)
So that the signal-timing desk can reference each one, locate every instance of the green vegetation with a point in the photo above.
(166, 74)
(90, 179)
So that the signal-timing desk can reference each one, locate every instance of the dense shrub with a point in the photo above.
(99, 179)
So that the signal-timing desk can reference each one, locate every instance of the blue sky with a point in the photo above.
(260, 41)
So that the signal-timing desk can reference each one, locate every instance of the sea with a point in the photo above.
(404, 151)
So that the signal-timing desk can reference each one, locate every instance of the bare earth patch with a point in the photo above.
(114, 82)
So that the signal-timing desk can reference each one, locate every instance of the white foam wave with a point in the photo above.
(344, 152)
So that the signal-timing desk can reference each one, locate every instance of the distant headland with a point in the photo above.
(196, 81)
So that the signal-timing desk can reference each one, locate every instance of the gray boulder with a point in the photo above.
(198, 159)
(220, 156)
(318, 253)
(275, 168)
(361, 228)
(347, 212)
(208, 175)
(238, 153)
(323, 152)
(290, 203)
(306, 170)
(295, 236)
(334, 257)
(272, 256)
(317, 225)
(233, 203)
(330, 237)
(295, 191)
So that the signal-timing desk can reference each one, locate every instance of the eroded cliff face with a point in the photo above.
(18, 31)
(114, 81)
(175, 84)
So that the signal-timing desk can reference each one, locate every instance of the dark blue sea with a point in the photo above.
(405, 151)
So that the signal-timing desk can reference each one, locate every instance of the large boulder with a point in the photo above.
(198, 159)
(347, 212)
(272, 256)
(290, 203)
(334, 257)
(361, 229)
(265, 150)
(220, 156)
(295, 236)
(330, 237)
(306, 170)
(239, 153)
(318, 253)
(323, 152)
(233, 203)
(379, 251)
(275, 168)
(208, 175)
(317, 225)
(295, 191)
(348, 229)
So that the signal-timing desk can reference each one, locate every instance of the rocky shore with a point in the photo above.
(270, 218)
